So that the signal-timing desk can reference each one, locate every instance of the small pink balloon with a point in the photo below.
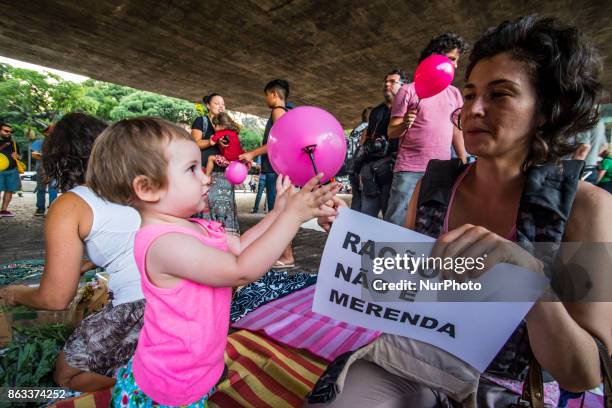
(236, 172)
(433, 75)
(300, 128)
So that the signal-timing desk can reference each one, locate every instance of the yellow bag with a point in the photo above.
(4, 162)
(21, 167)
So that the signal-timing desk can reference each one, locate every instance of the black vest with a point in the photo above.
(544, 209)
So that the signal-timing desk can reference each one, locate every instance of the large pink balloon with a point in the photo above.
(301, 127)
(236, 172)
(433, 75)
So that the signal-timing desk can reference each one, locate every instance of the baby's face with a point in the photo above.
(188, 186)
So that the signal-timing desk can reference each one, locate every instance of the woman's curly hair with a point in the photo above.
(66, 150)
(564, 68)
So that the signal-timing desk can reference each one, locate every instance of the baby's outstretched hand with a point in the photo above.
(309, 202)
(284, 188)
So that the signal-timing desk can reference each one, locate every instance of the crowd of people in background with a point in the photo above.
(396, 140)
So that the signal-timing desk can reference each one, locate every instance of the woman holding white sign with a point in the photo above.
(531, 85)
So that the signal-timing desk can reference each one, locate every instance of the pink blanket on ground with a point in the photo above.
(291, 321)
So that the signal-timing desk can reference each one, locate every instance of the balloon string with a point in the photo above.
(310, 150)
(418, 103)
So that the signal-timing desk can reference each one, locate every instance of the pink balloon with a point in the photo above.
(236, 172)
(302, 127)
(433, 75)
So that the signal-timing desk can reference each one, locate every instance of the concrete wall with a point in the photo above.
(335, 53)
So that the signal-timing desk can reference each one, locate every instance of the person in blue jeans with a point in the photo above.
(41, 186)
(260, 189)
(423, 128)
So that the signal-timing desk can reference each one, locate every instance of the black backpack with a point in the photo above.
(352, 151)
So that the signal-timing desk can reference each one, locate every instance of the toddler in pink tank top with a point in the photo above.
(187, 266)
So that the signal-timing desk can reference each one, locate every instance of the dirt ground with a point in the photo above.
(22, 237)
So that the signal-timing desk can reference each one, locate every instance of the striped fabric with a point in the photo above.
(262, 374)
(100, 399)
(291, 321)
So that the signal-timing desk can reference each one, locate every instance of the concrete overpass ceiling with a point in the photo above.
(334, 53)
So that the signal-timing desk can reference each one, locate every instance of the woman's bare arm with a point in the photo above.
(68, 220)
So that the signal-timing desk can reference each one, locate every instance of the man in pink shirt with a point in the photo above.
(425, 133)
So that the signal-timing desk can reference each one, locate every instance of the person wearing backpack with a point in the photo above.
(376, 172)
(202, 129)
(354, 157)
(221, 198)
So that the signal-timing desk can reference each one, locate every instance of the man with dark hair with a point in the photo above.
(376, 173)
(9, 176)
(444, 44)
(278, 86)
(276, 94)
(426, 133)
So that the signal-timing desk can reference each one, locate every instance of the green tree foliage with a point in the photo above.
(23, 99)
(106, 95)
(30, 101)
(250, 139)
(66, 96)
(142, 103)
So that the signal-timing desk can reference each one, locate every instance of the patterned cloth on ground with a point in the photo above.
(273, 285)
(29, 272)
(551, 388)
(291, 321)
(263, 374)
(18, 271)
(591, 400)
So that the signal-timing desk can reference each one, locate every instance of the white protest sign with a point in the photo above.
(472, 331)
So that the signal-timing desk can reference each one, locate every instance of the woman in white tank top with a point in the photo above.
(80, 219)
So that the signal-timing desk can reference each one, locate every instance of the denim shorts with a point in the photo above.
(9, 180)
